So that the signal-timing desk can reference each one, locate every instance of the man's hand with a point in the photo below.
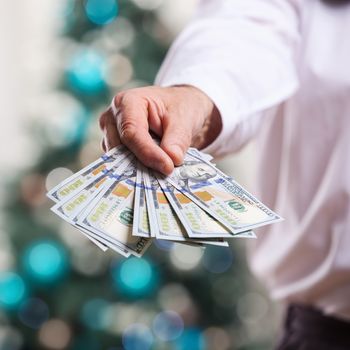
(180, 116)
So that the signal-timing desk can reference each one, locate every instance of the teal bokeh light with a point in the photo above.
(101, 11)
(85, 73)
(93, 313)
(135, 277)
(12, 290)
(45, 261)
(191, 338)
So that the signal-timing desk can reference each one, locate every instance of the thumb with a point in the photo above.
(176, 138)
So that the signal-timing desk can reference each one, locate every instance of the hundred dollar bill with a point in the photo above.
(110, 214)
(197, 222)
(141, 226)
(116, 245)
(88, 174)
(114, 173)
(168, 226)
(141, 223)
(164, 224)
(70, 207)
(225, 200)
(63, 210)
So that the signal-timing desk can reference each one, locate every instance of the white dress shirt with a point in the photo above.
(279, 70)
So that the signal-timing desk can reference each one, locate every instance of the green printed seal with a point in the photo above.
(126, 217)
(237, 206)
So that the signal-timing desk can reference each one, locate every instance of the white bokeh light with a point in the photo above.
(252, 307)
(174, 15)
(119, 70)
(119, 316)
(217, 339)
(148, 4)
(186, 257)
(6, 254)
(118, 35)
(55, 334)
(175, 297)
(55, 176)
(63, 112)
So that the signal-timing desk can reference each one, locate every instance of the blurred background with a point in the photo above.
(60, 64)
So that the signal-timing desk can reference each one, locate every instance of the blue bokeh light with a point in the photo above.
(163, 244)
(168, 325)
(93, 312)
(45, 261)
(135, 277)
(86, 72)
(217, 259)
(137, 337)
(33, 313)
(101, 11)
(191, 338)
(12, 290)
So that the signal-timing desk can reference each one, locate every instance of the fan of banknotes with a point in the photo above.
(122, 205)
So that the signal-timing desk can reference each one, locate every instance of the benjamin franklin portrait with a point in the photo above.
(196, 171)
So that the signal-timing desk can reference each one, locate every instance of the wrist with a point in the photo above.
(204, 105)
(207, 120)
(210, 130)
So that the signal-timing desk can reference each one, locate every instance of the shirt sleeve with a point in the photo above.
(242, 55)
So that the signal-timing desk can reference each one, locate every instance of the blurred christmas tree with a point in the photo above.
(62, 292)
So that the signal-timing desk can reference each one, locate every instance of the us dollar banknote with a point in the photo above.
(110, 214)
(225, 200)
(197, 222)
(88, 174)
(141, 224)
(71, 206)
(120, 204)
(168, 225)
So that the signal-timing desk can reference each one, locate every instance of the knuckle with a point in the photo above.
(118, 98)
(128, 131)
(104, 119)
(124, 98)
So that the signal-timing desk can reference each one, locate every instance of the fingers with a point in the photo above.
(133, 129)
(108, 126)
(176, 138)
